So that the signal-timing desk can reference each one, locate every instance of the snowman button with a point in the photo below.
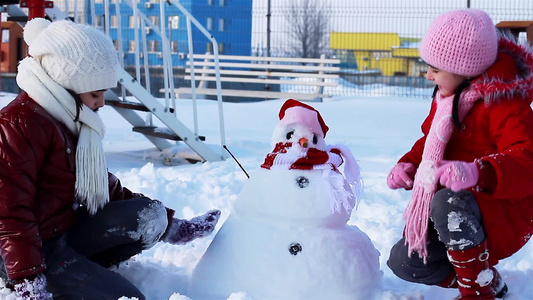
(294, 248)
(302, 181)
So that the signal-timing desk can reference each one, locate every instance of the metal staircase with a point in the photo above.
(135, 99)
(176, 130)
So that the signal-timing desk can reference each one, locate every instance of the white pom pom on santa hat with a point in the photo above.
(296, 112)
(33, 28)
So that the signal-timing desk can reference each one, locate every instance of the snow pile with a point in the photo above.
(362, 123)
(282, 241)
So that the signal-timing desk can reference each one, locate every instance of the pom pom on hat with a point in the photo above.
(296, 112)
(76, 56)
(34, 28)
(462, 42)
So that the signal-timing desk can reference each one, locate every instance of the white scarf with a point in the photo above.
(92, 186)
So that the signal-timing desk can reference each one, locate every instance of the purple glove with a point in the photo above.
(33, 289)
(184, 231)
(457, 175)
(401, 176)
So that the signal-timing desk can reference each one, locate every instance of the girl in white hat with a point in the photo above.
(64, 219)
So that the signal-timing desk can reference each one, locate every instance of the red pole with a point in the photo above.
(1, 53)
(36, 7)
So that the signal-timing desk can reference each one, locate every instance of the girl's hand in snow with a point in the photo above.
(34, 289)
(184, 231)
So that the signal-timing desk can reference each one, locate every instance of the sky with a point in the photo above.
(377, 129)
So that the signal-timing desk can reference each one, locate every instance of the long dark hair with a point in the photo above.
(79, 104)
(455, 108)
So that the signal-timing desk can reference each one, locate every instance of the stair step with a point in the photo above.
(160, 132)
(129, 105)
(20, 19)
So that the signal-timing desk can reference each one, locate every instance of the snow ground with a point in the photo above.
(377, 129)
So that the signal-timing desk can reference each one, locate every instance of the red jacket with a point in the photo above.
(499, 131)
(37, 177)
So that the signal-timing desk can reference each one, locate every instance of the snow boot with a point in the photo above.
(474, 276)
(498, 284)
(450, 282)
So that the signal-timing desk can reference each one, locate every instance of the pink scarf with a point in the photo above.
(416, 214)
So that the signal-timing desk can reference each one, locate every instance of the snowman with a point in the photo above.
(286, 236)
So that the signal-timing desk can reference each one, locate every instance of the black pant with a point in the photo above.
(76, 263)
(455, 224)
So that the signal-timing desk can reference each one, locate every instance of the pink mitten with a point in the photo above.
(457, 175)
(401, 176)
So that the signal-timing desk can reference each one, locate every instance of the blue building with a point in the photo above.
(228, 21)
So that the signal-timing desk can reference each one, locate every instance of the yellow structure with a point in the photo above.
(382, 52)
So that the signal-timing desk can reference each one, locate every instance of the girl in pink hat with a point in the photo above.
(471, 171)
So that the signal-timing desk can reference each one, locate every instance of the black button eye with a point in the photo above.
(315, 139)
(289, 134)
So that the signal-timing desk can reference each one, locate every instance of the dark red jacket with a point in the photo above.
(499, 131)
(37, 177)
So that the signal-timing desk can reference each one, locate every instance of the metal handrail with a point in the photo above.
(190, 137)
(205, 32)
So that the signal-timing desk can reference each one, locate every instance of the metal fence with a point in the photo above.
(275, 22)
(308, 28)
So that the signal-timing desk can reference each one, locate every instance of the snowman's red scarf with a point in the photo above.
(307, 159)
(286, 157)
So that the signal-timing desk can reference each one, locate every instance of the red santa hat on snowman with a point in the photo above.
(298, 142)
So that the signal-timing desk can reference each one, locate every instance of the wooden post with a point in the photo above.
(515, 27)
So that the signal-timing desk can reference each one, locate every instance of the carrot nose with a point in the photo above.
(303, 142)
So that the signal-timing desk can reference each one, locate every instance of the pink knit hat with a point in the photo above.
(293, 112)
(463, 42)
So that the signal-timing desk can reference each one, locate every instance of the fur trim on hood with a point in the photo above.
(511, 76)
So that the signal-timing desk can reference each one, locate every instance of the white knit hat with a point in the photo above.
(76, 56)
